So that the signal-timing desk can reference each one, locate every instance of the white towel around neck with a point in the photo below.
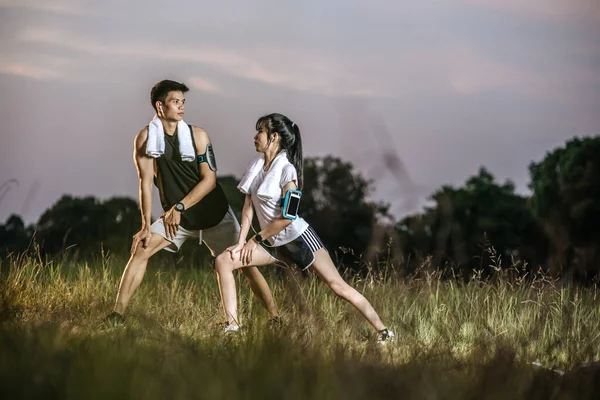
(155, 147)
(269, 188)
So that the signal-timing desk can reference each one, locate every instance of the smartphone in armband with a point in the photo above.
(291, 203)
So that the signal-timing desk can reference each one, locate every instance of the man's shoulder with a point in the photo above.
(196, 130)
(143, 132)
(141, 137)
(200, 136)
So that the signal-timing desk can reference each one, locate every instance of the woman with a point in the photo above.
(267, 181)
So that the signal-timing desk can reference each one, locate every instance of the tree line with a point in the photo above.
(480, 225)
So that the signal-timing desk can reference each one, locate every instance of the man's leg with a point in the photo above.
(226, 234)
(136, 267)
(135, 270)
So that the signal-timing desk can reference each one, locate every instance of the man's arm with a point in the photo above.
(208, 177)
(145, 169)
(208, 181)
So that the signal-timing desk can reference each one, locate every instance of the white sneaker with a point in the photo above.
(231, 328)
(385, 336)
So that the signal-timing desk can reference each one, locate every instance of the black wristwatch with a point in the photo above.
(258, 237)
(180, 207)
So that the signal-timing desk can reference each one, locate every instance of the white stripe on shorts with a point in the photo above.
(317, 238)
(311, 239)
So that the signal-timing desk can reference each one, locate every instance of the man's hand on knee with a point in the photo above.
(143, 238)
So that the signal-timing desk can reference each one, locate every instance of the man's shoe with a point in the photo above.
(114, 319)
(276, 323)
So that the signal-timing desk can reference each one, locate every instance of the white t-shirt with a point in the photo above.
(268, 211)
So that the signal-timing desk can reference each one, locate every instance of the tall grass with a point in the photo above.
(455, 339)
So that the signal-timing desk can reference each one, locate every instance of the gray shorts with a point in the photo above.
(217, 239)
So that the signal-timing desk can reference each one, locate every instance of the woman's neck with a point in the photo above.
(270, 156)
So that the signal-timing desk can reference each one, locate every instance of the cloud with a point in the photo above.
(204, 85)
(390, 68)
(29, 71)
(307, 71)
(469, 72)
(54, 6)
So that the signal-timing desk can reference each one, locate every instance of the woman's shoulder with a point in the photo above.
(284, 163)
(288, 168)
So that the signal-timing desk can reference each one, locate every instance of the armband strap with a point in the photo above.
(208, 157)
(291, 203)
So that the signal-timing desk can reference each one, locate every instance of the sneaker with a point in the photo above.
(114, 319)
(231, 328)
(385, 336)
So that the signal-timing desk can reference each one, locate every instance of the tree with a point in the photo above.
(334, 202)
(119, 219)
(467, 222)
(87, 222)
(566, 197)
(14, 236)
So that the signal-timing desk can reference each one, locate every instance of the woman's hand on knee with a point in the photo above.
(234, 251)
(247, 251)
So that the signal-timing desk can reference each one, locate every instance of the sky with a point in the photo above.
(416, 94)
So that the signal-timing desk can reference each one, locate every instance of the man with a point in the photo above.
(194, 203)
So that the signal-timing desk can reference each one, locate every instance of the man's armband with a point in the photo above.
(208, 157)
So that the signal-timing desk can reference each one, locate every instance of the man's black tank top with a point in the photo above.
(176, 178)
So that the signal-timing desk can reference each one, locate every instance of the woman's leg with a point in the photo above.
(261, 290)
(225, 266)
(325, 269)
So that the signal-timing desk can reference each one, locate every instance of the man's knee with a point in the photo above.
(155, 244)
(142, 254)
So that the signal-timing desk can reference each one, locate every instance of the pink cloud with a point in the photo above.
(54, 6)
(28, 71)
(204, 85)
(303, 71)
(451, 65)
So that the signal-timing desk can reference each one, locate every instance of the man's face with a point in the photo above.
(173, 107)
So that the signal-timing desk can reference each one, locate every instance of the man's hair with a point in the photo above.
(161, 90)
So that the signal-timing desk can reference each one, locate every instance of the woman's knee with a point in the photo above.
(223, 262)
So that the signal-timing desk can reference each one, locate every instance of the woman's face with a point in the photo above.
(261, 141)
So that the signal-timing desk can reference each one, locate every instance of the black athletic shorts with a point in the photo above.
(300, 250)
